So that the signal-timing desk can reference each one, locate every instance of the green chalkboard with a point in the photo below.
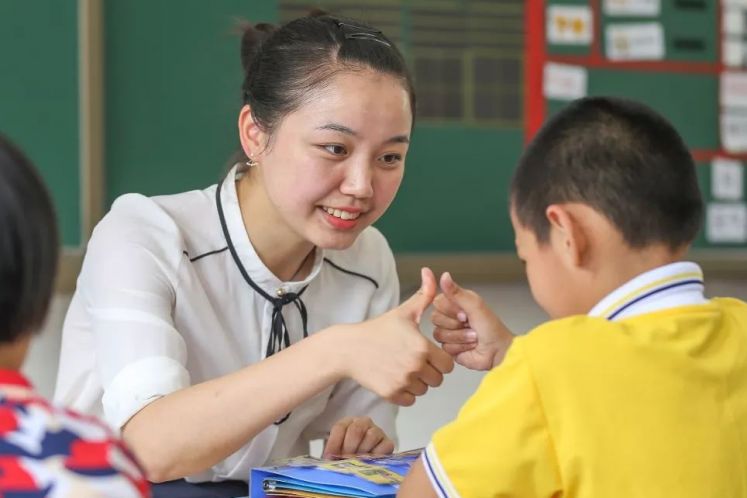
(173, 79)
(687, 100)
(454, 195)
(39, 97)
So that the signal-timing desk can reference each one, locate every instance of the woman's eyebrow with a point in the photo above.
(349, 131)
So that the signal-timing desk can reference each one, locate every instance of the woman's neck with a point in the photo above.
(282, 251)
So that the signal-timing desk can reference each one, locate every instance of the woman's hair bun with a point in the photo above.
(252, 37)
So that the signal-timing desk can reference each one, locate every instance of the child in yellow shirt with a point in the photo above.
(638, 386)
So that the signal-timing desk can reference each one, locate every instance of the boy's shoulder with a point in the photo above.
(731, 304)
(594, 338)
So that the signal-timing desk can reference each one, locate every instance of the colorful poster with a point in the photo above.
(635, 41)
(564, 81)
(632, 7)
(569, 25)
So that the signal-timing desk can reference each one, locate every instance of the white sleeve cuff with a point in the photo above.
(139, 384)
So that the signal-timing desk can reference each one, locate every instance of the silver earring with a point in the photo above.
(250, 162)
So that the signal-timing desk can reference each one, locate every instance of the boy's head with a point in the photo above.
(28, 246)
(601, 164)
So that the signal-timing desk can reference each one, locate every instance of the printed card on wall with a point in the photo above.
(727, 179)
(734, 20)
(569, 25)
(726, 223)
(734, 131)
(734, 36)
(734, 53)
(632, 7)
(564, 81)
(635, 41)
(733, 89)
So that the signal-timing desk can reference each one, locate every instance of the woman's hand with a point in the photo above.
(467, 328)
(390, 356)
(357, 436)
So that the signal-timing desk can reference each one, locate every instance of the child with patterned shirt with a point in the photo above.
(638, 387)
(44, 450)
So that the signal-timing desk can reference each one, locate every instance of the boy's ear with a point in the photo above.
(567, 235)
(250, 133)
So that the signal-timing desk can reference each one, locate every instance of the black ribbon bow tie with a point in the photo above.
(279, 337)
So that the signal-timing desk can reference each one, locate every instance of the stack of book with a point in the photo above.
(308, 477)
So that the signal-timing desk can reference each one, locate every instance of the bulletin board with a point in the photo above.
(685, 58)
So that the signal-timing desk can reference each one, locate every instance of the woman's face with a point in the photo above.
(333, 166)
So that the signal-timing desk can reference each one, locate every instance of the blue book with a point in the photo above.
(308, 477)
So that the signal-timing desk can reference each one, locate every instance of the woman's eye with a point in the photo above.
(391, 159)
(337, 150)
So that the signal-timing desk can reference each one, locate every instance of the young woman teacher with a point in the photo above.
(186, 327)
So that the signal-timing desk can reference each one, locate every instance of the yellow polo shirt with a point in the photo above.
(653, 405)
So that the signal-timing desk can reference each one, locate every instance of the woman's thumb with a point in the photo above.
(419, 302)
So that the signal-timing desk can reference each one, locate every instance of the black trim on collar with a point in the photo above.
(350, 272)
(259, 290)
(279, 336)
(200, 256)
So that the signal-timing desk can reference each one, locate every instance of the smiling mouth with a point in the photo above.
(341, 214)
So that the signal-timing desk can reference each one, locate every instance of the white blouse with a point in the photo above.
(161, 303)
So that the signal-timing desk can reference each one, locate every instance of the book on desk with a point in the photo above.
(308, 477)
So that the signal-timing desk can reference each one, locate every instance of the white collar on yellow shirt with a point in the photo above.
(669, 286)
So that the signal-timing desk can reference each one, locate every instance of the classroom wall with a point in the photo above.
(172, 97)
(171, 94)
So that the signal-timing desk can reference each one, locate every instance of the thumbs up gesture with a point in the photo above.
(467, 328)
(390, 356)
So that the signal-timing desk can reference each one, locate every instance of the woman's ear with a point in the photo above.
(250, 133)
(567, 235)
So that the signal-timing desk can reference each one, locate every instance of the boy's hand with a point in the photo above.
(467, 328)
(389, 356)
(357, 436)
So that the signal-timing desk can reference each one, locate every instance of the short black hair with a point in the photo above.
(28, 245)
(621, 158)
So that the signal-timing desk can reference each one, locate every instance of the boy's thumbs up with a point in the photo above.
(419, 302)
(465, 302)
(467, 328)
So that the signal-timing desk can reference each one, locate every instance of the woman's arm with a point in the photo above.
(196, 427)
(128, 286)
(192, 429)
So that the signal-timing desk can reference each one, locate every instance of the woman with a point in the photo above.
(185, 329)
